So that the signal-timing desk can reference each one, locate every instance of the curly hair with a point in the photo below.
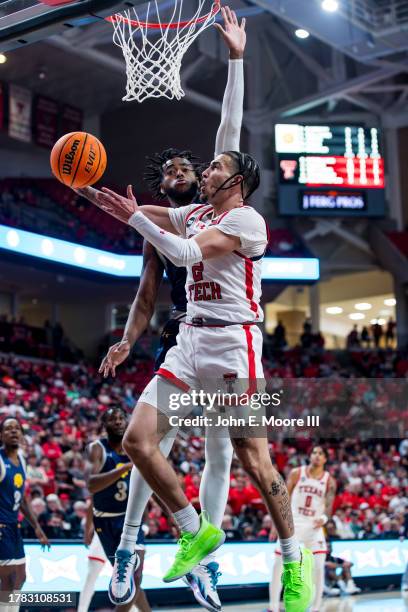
(153, 174)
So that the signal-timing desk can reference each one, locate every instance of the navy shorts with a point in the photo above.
(109, 530)
(168, 339)
(11, 545)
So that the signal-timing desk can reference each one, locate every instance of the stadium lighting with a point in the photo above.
(390, 302)
(356, 316)
(330, 6)
(363, 306)
(3, 58)
(301, 33)
(334, 310)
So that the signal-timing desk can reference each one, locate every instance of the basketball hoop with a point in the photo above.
(153, 51)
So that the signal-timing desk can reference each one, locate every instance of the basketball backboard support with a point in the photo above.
(23, 22)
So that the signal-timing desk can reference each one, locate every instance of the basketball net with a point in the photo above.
(153, 51)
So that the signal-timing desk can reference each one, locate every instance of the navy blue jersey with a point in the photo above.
(177, 279)
(114, 498)
(12, 482)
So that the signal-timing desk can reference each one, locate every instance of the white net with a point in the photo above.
(154, 51)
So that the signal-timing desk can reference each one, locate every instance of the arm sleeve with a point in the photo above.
(180, 251)
(229, 132)
(249, 226)
(179, 215)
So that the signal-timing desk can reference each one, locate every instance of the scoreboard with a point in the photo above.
(330, 170)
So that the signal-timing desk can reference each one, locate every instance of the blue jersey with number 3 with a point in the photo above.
(12, 482)
(114, 498)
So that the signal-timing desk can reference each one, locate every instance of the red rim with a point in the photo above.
(171, 26)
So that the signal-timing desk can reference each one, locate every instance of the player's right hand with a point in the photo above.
(116, 355)
(233, 32)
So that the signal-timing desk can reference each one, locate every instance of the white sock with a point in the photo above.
(187, 519)
(215, 481)
(139, 495)
(290, 549)
(94, 569)
(209, 559)
(319, 564)
(275, 585)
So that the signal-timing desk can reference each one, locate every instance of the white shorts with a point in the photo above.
(96, 552)
(208, 358)
(313, 539)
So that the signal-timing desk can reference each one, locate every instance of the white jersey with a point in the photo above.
(227, 288)
(308, 496)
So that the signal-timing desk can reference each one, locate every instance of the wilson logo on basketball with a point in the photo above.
(69, 158)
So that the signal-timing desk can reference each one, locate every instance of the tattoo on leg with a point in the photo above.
(278, 488)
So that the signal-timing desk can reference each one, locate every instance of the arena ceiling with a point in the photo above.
(355, 61)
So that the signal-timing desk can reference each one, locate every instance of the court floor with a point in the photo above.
(374, 602)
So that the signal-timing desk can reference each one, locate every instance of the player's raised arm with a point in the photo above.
(98, 482)
(234, 35)
(122, 207)
(140, 313)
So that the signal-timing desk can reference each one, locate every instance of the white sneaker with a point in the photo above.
(122, 588)
(331, 591)
(352, 588)
(203, 582)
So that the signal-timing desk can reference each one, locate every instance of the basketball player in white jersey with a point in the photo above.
(221, 243)
(312, 491)
(175, 177)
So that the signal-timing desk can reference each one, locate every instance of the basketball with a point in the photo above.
(78, 159)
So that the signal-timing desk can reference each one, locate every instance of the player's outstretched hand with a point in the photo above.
(42, 538)
(116, 355)
(116, 205)
(233, 32)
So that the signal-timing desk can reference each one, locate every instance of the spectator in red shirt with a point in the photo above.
(52, 449)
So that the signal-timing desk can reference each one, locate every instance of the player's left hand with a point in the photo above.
(317, 523)
(116, 205)
(233, 32)
(42, 538)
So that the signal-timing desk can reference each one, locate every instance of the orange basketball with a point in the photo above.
(78, 159)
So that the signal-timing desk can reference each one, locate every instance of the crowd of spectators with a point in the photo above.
(48, 207)
(48, 341)
(45, 206)
(60, 406)
(375, 336)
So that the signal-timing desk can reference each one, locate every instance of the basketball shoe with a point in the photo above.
(122, 588)
(193, 549)
(203, 581)
(297, 580)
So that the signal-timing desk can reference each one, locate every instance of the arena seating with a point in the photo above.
(46, 206)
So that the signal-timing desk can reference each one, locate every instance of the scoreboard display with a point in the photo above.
(331, 170)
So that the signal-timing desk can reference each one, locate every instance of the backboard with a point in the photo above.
(27, 21)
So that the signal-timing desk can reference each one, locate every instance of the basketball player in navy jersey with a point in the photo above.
(109, 486)
(173, 175)
(12, 501)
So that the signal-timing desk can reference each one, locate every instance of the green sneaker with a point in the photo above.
(193, 549)
(297, 580)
